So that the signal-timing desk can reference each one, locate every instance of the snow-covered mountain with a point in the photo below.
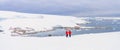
(38, 22)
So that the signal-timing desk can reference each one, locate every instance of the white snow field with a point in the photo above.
(38, 22)
(101, 41)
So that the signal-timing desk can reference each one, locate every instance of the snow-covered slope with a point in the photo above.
(11, 14)
(39, 22)
(101, 41)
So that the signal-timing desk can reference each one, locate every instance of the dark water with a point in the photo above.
(100, 27)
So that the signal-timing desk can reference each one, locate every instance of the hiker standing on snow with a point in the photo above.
(68, 33)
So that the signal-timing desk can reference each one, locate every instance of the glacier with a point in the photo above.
(38, 22)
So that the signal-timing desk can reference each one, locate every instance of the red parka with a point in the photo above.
(68, 32)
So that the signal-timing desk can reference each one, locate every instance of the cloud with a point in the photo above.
(64, 7)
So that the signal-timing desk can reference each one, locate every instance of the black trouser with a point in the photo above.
(68, 35)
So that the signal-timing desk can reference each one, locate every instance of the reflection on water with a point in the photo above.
(99, 26)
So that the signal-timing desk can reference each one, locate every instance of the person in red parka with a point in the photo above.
(68, 33)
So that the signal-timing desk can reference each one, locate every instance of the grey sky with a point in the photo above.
(64, 7)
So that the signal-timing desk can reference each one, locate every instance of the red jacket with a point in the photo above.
(68, 32)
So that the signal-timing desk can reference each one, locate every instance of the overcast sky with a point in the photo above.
(64, 7)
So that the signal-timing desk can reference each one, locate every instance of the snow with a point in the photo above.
(101, 41)
(11, 15)
(42, 22)
(38, 22)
